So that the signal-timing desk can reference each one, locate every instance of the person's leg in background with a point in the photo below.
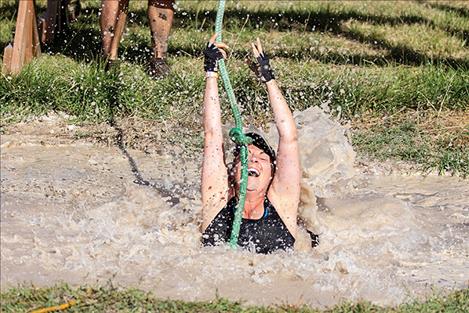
(110, 12)
(54, 23)
(160, 16)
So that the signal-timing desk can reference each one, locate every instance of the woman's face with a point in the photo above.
(259, 170)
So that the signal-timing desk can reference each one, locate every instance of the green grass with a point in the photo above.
(408, 142)
(86, 91)
(443, 29)
(109, 299)
(360, 58)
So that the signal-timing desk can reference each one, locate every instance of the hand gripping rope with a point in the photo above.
(236, 133)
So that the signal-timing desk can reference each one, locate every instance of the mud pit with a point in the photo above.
(71, 212)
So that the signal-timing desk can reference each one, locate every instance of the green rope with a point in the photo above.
(236, 134)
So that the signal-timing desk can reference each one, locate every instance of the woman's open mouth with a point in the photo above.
(253, 172)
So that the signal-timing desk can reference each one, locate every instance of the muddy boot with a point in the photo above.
(158, 68)
(112, 65)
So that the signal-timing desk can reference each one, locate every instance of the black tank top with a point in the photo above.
(264, 235)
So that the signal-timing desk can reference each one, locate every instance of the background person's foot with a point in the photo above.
(158, 68)
(111, 65)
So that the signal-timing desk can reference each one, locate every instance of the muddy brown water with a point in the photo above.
(72, 212)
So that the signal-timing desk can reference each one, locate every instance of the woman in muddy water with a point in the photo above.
(273, 189)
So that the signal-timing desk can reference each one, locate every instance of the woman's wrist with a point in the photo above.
(270, 85)
(211, 74)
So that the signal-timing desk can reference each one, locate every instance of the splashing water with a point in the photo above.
(71, 212)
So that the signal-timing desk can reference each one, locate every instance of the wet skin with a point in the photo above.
(259, 169)
(259, 178)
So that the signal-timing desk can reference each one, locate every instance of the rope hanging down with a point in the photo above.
(236, 134)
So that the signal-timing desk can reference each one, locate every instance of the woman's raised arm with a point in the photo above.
(285, 188)
(288, 174)
(214, 185)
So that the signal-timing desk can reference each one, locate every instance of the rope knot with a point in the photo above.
(238, 137)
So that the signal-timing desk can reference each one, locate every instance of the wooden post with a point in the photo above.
(26, 42)
(7, 53)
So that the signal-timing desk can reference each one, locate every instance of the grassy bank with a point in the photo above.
(108, 299)
(86, 91)
(377, 64)
(436, 143)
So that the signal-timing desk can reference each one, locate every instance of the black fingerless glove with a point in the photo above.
(265, 71)
(211, 56)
